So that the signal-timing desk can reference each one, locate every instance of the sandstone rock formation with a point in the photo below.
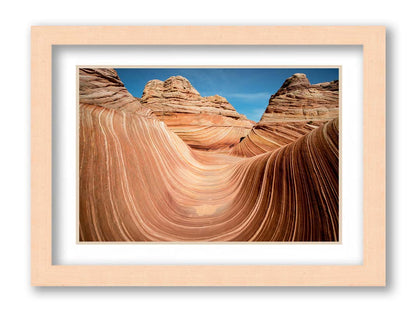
(103, 87)
(297, 100)
(139, 181)
(202, 122)
(293, 111)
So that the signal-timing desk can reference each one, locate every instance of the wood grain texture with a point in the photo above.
(371, 272)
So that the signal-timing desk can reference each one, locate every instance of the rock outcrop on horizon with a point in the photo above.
(297, 100)
(103, 87)
(139, 181)
(202, 122)
(294, 110)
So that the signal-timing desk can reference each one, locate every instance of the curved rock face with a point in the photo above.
(293, 111)
(139, 181)
(297, 100)
(103, 87)
(202, 122)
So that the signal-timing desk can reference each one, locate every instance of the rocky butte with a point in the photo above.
(297, 101)
(202, 122)
(296, 109)
(102, 87)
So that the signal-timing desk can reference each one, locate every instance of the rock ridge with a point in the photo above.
(209, 122)
(297, 108)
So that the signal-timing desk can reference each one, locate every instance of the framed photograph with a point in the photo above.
(208, 156)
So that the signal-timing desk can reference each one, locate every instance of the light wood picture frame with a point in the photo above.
(372, 272)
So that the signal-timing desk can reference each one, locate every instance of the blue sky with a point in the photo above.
(247, 89)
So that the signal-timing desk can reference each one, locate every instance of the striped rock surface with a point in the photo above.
(103, 87)
(139, 181)
(293, 111)
(205, 123)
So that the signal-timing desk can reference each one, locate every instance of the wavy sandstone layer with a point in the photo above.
(140, 182)
(293, 111)
(202, 122)
(103, 87)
